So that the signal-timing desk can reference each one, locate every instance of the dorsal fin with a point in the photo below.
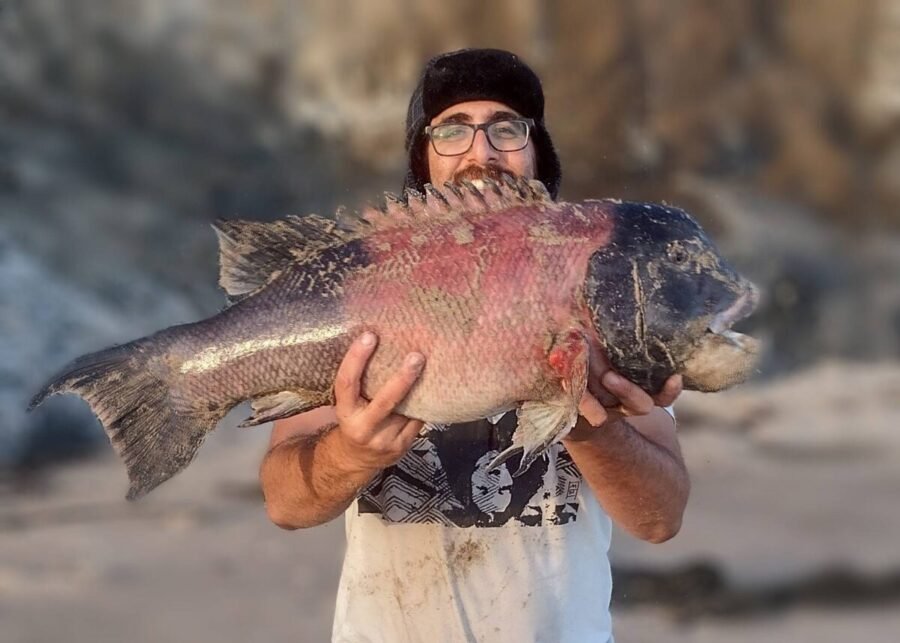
(375, 216)
(350, 221)
(492, 194)
(436, 200)
(439, 204)
(416, 202)
(250, 252)
(454, 196)
(518, 188)
(474, 200)
(539, 193)
(394, 206)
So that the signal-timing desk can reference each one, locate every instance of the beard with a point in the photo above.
(473, 172)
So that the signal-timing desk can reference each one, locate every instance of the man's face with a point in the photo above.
(481, 155)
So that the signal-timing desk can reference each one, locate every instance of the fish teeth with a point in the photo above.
(736, 312)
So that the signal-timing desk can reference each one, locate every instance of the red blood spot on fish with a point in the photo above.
(558, 361)
(562, 357)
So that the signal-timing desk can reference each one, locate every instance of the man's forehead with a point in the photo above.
(474, 110)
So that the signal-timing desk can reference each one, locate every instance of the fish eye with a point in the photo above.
(677, 254)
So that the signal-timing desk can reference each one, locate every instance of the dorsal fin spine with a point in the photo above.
(436, 195)
(491, 184)
(454, 189)
(476, 194)
(252, 251)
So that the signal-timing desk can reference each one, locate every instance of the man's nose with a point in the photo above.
(481, 151)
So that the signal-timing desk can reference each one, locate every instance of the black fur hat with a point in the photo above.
(477, 74)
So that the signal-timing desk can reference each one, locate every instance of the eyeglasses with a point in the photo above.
(453, 139)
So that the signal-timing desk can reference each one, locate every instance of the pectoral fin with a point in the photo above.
(543, 422)
(540, 425)
(283, 404)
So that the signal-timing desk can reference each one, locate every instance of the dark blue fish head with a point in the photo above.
(663, 301)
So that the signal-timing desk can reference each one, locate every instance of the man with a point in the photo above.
(440, 548)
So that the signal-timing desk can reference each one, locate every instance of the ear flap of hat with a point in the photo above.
(417, 173)
(549, 170)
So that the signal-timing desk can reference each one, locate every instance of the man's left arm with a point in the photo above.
(631, 460)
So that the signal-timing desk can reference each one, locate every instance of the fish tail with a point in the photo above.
(128, 389)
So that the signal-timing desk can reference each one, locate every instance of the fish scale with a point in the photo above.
(468, 310)
(507, 293)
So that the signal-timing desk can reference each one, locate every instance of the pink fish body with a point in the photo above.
(484, 297)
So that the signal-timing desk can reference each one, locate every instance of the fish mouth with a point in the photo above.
(741, 309)
(723, 357)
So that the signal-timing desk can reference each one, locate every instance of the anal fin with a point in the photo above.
(283, 404)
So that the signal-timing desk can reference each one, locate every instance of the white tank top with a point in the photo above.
(439, 549)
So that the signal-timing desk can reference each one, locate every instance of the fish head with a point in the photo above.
(663, 300)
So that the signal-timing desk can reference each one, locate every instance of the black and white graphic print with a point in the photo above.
(444, 479)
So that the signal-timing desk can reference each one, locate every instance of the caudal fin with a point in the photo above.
(127, 389)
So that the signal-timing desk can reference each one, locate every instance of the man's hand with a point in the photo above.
(309, 480)
(370, 436)
(610, 397)
(627, 450)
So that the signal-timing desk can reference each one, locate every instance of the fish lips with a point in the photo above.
(722, 357)
(740, 309)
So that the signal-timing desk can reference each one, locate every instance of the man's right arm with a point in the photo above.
(319, 461)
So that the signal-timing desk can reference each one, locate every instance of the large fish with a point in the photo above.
(506, 292)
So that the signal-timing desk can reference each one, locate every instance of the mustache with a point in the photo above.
(470, 172)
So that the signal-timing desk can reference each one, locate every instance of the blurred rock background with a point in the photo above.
(126, 126)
